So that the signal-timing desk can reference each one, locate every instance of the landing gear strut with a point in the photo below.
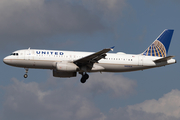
(84, 77)
(25, 75)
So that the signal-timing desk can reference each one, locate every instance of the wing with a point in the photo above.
(93, 58)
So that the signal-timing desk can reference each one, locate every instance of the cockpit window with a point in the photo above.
(14, 54)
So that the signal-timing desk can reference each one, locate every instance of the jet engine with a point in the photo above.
(66, 67)
(63, 74)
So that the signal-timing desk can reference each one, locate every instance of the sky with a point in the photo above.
(83, 25)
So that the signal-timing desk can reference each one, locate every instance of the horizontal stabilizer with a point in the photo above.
(163, 59)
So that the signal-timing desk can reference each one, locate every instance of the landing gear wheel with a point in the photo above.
(25, 75)
(84, 78)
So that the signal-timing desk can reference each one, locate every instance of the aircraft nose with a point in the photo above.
(6, 61)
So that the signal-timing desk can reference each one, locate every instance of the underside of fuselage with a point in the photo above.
(44, 64)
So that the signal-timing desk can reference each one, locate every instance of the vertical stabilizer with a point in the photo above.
(160, 46)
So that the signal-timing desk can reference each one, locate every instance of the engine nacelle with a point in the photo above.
(66, 67)
(63, 74)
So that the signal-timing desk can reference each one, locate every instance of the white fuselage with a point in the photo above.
(113, 62)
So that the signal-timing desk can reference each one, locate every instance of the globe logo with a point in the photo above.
(155, 49)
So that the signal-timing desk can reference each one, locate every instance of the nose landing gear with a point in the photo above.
(84, 77)
(25, 75)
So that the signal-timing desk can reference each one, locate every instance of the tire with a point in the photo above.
(86, 76)
(25, 75)
(83, 80)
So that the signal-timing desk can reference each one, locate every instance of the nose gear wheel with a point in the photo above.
(25, 75)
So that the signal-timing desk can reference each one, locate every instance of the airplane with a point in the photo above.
(69, 63)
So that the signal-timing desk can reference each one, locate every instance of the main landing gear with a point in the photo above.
(25, 75)
(84, 77)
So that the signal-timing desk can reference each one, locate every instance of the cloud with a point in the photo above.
(69, 99)
(23, 17)
(31, 21)
(126, 114)
(165, 108)
(169, 105)
(27, 21)
(114, 85)
(108, 9)
(66, 99)
(29, 101)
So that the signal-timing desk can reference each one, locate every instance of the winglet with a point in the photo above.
(112, 48)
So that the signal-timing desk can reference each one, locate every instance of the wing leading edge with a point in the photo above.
(93, 58)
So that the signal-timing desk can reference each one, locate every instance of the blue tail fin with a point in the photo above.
(160, 46)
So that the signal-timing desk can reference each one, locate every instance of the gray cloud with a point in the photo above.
(110, 10)
(114, 85)
(169, 105)
(126, 114)
(43, 17)
(60, 100)
(31, 21)
(67, 99)
(28, 101)
(165, 108)
(28, 21)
